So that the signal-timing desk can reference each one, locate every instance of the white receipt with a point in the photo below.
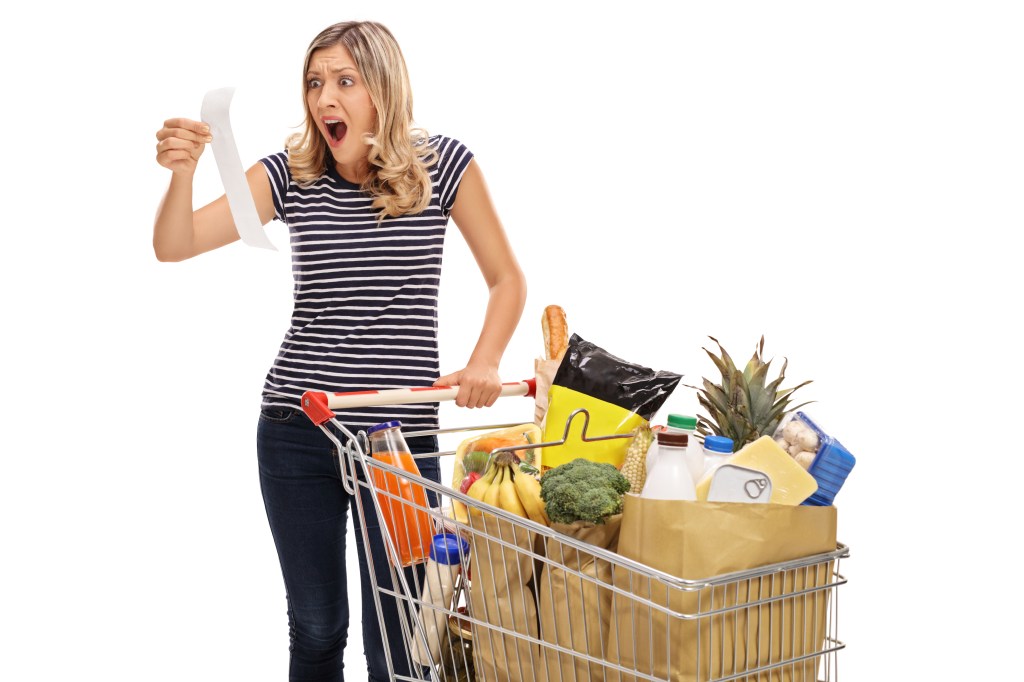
(214, 113)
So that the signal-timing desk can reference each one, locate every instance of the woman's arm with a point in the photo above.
(474, 214)
(178, 231)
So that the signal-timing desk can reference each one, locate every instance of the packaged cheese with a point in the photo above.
(790, 484)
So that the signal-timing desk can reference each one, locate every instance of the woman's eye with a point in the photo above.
(313, 83)
(346, 81)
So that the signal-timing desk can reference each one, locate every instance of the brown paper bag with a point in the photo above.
(724, 632)
(575, 611)
(501, 595)
(544, 373)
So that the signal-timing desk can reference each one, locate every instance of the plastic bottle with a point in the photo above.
(447, 552)
(670, 478)
(694, 452)
(652, 454)
(678, 423)
(717, 449)
(406, 519)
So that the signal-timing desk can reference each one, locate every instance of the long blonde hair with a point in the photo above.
(399, 156)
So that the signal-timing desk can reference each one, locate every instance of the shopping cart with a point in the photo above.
(535, 604)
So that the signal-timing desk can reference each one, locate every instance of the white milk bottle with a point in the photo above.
(694, 452)
(447, 552)
(670, 477)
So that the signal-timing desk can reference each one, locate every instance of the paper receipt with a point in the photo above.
(214, 113)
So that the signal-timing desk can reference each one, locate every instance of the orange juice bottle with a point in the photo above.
(402, 502)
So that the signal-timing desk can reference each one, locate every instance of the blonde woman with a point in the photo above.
(366, 198)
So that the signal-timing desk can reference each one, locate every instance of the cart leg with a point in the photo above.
(393, 641)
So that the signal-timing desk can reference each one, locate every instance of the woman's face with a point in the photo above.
(340, 104)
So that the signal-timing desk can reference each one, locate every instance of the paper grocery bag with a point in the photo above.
(707, 632)
(575, 611)
(544, 374)
(501, 568)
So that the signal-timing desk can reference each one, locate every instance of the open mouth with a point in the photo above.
(336, 129)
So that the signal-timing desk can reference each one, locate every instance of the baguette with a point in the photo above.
(556, 332)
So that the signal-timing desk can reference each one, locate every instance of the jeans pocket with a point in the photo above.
(277, 415)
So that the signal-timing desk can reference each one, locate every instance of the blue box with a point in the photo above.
(831, 465)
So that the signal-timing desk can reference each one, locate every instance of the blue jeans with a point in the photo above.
(308, 509)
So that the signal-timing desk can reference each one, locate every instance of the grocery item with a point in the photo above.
(790, 483)
(556, 332)
(619, 396)
(634, 466)
(506, 486)
(528, 488)
(820, 454)
(473, 454)
(670, 479)
(731, 483)
(447, 553)
(556, 340)
(680, 423)
(457, 652)
(403, 503)
(717, 449)
(582, 490)
(745, 405)
(652, 456)
(502, 590)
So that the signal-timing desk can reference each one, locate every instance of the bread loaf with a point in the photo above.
(556, 332)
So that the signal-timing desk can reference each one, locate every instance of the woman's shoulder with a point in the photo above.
(439, 141)
(278, 161)
(449, 150)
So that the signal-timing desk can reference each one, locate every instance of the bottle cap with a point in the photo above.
(381, 427)
(718, 444)
(448, 549)
(679, 421)
(673, 439)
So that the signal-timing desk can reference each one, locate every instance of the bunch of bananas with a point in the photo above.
(505, 486)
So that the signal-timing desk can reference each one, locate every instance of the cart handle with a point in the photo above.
(318, 405)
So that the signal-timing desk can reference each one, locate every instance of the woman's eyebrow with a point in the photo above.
(314, 72)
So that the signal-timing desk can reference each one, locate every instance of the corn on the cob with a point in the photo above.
(634, 467)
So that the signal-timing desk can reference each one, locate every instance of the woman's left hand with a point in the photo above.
(479, 385)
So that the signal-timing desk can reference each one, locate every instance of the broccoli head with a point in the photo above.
(582, 490)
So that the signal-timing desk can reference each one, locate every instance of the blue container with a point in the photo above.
(831, 465)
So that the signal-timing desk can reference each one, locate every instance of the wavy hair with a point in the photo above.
(399, 158)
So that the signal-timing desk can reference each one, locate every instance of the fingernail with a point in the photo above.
(206, 128)
(209, 138)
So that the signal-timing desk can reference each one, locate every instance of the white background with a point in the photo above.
(844, 178)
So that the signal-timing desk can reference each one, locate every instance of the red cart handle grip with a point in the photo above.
(319, 406)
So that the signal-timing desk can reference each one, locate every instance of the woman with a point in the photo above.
(366, 198)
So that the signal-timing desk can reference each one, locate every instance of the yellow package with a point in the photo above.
(604, 419)
(619, 396)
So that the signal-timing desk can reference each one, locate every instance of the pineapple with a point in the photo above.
(743, 407)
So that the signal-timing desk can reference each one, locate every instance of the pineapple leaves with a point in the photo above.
(745, 405)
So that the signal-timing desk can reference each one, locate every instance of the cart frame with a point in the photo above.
(716, 613)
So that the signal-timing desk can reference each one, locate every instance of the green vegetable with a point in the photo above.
(476, 461)
(582, 490)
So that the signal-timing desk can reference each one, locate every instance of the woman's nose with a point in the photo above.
(328, 96)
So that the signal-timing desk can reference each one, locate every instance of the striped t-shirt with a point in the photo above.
(365, 314)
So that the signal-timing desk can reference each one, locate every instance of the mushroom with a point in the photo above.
(808, 439)
(804, 459)
(792, 430)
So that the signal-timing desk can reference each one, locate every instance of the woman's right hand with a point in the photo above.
(180, 143)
